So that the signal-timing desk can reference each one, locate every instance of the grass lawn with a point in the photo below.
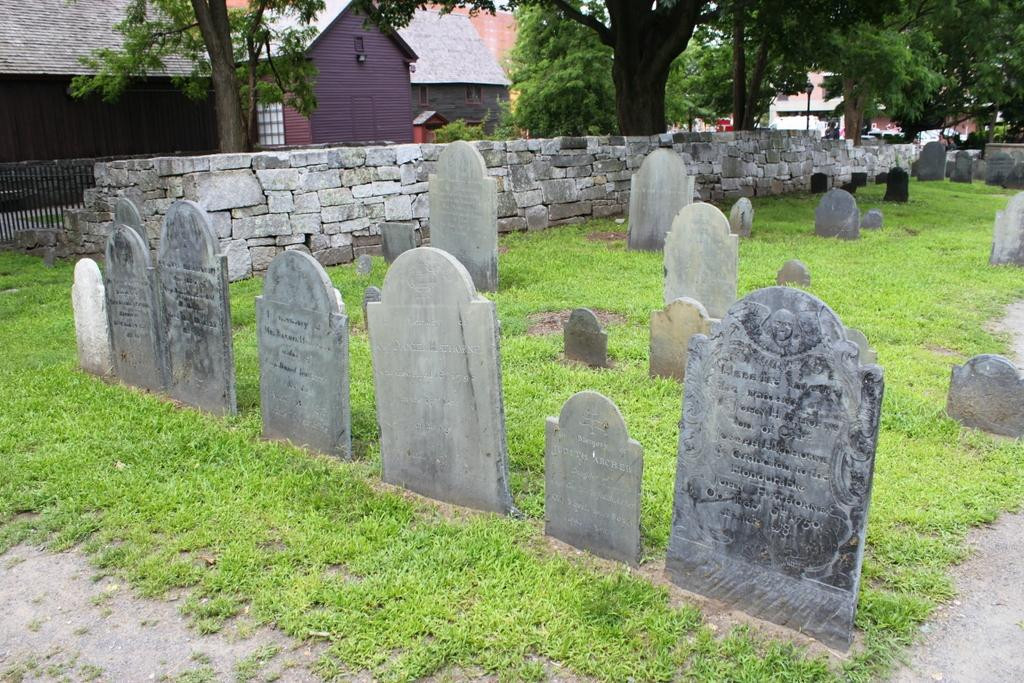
(401, 587)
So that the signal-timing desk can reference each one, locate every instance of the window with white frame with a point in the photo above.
(270, 121)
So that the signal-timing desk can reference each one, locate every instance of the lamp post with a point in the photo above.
(809, 88)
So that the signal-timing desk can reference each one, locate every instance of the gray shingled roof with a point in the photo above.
(450, 51)
(49, 36)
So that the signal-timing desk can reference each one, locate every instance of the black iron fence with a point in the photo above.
(34, 194)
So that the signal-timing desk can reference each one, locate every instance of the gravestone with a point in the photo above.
(932, 162)
(302, 335)
(793, 271)
(987, 393)
(437, 379)
(464, 212)
(1008, 238)
(89, 305)
(867, 354)
(859, 179)
(997, 167)
(364, 264)
(592, 477)
(949, 167)
(819, 183)
(702, 259)
(914, 166)
(872, 219)
(585, 341)
(136, 336)
(882, 178)
(397, 238)
(979, 169)
(657, 192)
(837, 216)
(671, 330)
(195, 310)
(962, 171)
(1014, 180)
(370, 294)
(848, 187)
(741, 217)
(897, 187)
(127, 213)
(776, 456)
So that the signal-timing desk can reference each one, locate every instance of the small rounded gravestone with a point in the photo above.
(872, 220)
(793, 271)
(837, 216)
(741, 217)
(364, 264)
(987, 393)
(585, 341)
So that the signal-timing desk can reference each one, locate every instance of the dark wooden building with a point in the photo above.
(41, 46)
(456, 76)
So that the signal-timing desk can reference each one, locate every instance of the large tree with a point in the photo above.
(645, 38)
(248, 56)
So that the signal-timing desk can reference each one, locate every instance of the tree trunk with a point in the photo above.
(639, 97)
(252, 120)
(853, 111)
(212, 17)
(739, 72)
(754, 89)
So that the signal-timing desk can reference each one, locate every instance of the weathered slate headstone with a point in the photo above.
(1014, 180)
(136, 334)
(741, 217)
(897, 187)
(997, 167)
(872, 219)
(397, 238)
(585, 341)
(837, 216)
(987, 393)
(949, 166)
(962, 171)
(671, 330)
(370, 294)
(776, 456)
(979, 169)
(592, 477)
(868, 356)
(932, 162)
(127, 213)
(914, 166)
(302, 334)
(364, 264)
(437, 378)
(859, 179)
(882, 178)
(819, 183)
(657, 193)
(793, 271)
(90, 308)
(1008, 239)
(702, 259)
(464, 212)
(196, 311)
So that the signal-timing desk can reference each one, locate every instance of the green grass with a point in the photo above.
(168, 498)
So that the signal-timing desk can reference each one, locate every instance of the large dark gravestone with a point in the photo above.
(932, 162)
(987, 393)
(585, 341)
(1014, 180)
(195, 310)
(859, 179)
(776, 455)
(132, 307)
(437, 377)
(819, 183)
(882, 178)
(302, 333)
(592, 475)
(997, 167)
(897, 187)
(837, 215)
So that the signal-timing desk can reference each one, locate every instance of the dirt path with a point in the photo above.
(57, 623)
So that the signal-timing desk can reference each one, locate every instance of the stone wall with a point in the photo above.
(331, 201)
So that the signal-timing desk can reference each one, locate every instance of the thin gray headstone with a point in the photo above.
(464, 212)
(837, 216)
(397, 238)
(364, 264)
(302, 335)
(867, 354)
(872, 219)
(671, 330)
(793, 271)
(1008, 237)
(997, 167)
(136, 334)
(702, 259)
(962, 168)
(932, 162)
(657, 192)
(127, 213)
(741, 217)
(437, 378)
(592, 477)
(585, 341)
(987, 393)
(196, 311)
(370, 294)
(776, 457)
(89, 305)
